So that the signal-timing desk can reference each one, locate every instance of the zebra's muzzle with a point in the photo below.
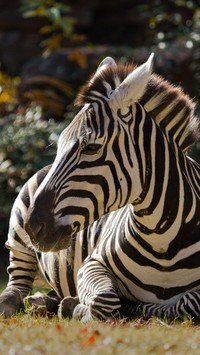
(45, 232)
(46, 237)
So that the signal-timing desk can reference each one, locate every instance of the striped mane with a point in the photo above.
(167, 104)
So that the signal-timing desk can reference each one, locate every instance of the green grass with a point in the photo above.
(36, 335)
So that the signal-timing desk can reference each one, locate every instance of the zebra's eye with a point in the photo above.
(91, 149)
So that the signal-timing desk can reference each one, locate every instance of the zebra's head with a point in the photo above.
(95, 170)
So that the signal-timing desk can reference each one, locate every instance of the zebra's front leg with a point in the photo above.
(11, 301)
(42, 304)
(22, 270)
(67, 306)
(97, 290)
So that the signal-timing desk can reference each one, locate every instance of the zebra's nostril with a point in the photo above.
(34, 230)
(39, 231)
(35, 226)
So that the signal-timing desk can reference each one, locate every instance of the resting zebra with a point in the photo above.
(59, 270)
(121, 177)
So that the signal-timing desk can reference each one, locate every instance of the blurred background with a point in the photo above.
(47, 51)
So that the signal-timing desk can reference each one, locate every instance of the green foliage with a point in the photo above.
(60, 25)
(173, 28)
(8, 89)
(27, 143)
(170, 20)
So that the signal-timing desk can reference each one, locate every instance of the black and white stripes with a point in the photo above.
(122, 188)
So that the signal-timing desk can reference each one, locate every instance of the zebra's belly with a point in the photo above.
(151, 277)
(149, 285)
(145, 278)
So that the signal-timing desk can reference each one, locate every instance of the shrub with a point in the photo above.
(27, 143)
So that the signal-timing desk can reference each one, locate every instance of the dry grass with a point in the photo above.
(36, 335)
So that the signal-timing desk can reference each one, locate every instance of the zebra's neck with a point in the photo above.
(162, 220)
(166, 196)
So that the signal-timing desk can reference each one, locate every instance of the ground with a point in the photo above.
(24, 334)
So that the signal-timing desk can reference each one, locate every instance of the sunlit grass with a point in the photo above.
(36, 335)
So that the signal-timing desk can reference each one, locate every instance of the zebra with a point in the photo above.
(55, 272)
(112, 181)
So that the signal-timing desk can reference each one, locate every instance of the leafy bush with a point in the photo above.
(27, 143)
(58, 30)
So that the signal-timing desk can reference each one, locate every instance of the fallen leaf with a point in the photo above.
(84, 330)
(59, 327)
(89, 341)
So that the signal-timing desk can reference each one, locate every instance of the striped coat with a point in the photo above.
(122, 179)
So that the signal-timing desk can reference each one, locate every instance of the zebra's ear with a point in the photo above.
(134, 85)
(102, 66)
(105, 62)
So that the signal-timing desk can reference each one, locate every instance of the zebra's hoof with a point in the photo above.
(67, 306)
(83, 313)
(35, 305)
(37, 299)
(42, 304)
(11, 302)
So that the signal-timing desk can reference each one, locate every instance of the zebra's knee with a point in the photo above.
(105, 305)
(101, 306)
(67, 306)
(129, 309)
(11, 302)
(83, 313)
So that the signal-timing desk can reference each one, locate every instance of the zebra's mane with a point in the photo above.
(168, 105)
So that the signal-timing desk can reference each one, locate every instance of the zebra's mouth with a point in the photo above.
(48, 232)
(56, 240)
(64, 241)
(50, 239)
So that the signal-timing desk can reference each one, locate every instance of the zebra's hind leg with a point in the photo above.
(97, 290)
(43, 304)
(131, 310)
(188, 306)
